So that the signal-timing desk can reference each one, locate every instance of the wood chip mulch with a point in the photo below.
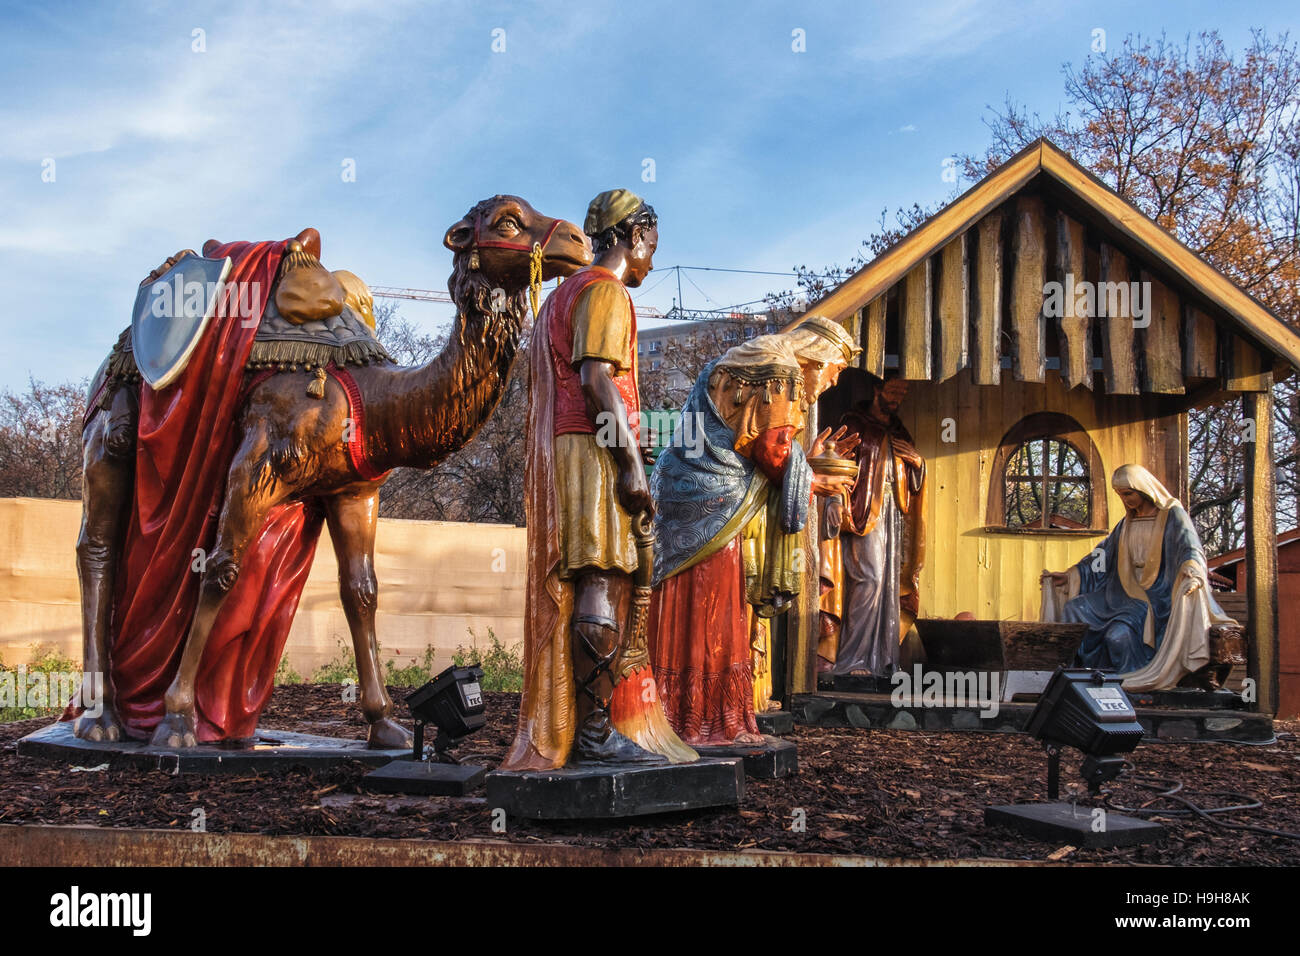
(875, 792)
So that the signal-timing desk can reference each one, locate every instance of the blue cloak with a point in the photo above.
(1115, 620)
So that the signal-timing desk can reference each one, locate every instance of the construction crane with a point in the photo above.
(432, 295)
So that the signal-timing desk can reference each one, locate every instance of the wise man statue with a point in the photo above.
(589, 693)
(730, 508)
(882, 540)
(1144, 592)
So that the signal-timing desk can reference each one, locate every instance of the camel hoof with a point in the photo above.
(101, 729)
(388, 734)
(174, 731)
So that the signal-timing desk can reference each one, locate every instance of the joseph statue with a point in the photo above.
(882, 542)
(589, 693)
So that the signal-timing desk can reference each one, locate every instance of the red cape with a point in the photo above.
(186, 441)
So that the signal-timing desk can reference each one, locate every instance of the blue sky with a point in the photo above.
(764, 158)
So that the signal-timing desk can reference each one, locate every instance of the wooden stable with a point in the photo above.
(966, 309)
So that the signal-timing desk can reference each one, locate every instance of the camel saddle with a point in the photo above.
(281, 345)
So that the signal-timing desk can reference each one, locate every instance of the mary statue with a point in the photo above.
(1144, 593)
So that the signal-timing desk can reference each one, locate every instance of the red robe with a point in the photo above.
(699, 631)
(186, 441)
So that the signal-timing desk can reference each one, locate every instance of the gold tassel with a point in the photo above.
(316, 388)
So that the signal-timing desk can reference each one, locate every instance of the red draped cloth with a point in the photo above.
(186, 441)
(699, 645)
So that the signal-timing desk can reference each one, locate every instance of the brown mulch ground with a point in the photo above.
(876, 792)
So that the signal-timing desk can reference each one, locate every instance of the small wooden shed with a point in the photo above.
(1051, 332)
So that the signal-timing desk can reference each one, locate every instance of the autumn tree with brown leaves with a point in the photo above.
(1206, 142)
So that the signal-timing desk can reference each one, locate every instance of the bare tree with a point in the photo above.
(1207, 143)
(40, 441)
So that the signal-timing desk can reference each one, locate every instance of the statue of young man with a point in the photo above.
(882, 538)
(589, 694)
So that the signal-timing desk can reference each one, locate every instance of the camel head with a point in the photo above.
(493, 243)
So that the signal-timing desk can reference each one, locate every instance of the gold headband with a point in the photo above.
(835, 333)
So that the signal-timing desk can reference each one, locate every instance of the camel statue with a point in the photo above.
(297, 435)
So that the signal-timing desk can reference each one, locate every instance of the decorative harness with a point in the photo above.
(534, 258)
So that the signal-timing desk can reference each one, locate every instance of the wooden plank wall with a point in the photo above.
(952, 310)
(1074, 327)
(995, 576)
(916, 323)
(1028, 276)
(986, 304)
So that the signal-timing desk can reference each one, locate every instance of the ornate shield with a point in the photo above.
(171, 314)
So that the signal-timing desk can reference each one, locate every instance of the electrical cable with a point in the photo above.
(1172, 790)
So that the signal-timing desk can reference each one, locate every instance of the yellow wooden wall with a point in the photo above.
(995, 576)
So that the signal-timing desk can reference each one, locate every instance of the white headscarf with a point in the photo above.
(1137, 478)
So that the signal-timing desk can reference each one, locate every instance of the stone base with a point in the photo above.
(877, 712)
(766, 761)
(593, 792)
(775, 723)
(268, 750)
(1186, 698)
(861, 684)
(1064, 823)
(425, 778)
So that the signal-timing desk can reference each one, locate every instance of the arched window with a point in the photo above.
(1046, 478)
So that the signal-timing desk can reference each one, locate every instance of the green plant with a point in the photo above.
(503, 667)
(50, 677)
(413, 674)
(342, 669)
(284, 674)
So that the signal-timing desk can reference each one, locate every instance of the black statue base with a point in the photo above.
(268, 750)
(425, 778)
(775, 723)
(772, 758)
(595, 792)
(1074, 825)
(862, 684)
(1189, 698)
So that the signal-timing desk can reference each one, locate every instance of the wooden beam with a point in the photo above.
(873, 336)
(986, 318)
(1115, 307)
(1075, 323)
(915, 328)
(1028, 276)
(953, 327)
(1261, 551)
(1158, 338)
(1245, 369)
(854, 325)
(1200, 346)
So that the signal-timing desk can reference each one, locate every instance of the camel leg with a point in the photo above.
(351, 520)
(250, 495)
(108, 466)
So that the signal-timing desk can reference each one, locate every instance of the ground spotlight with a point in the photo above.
(1086, 709)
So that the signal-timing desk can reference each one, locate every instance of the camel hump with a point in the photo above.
(357, 296)
(310, 240)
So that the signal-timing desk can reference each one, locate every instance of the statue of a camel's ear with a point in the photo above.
(459, 236)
